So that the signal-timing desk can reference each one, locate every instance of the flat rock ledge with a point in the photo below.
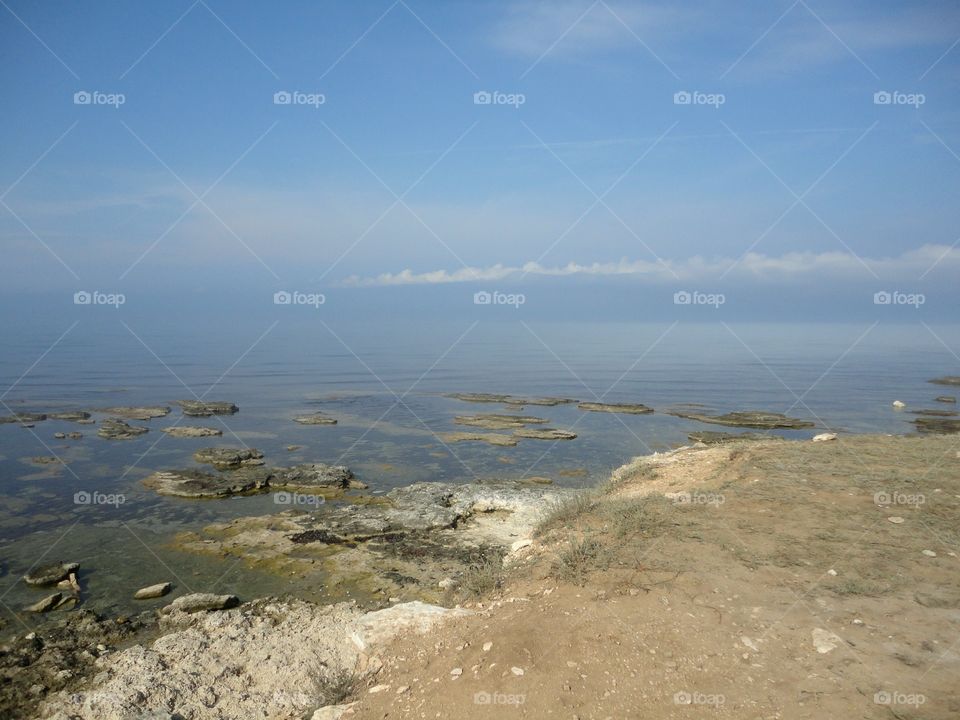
(946, 380)
(494, 421)
(628, 408)
(270, 655)
(137, 413)
(224, 458)
(187, 431)
(508, 399)
(114, 429)
(203, 408)
(192, 483)
(315, 419)
(747, 418)
(942, 426)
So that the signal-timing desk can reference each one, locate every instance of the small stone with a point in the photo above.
(402, 689)
(487, 645)
(517, 671)
(896, 520)
(824, 437)
(378, 689)
(825, 641)
(456, 672)
(47, 604)
(153, 591)
(832, 572)
(857, 621)
(929, 553)
(899, 405)
(520, 544)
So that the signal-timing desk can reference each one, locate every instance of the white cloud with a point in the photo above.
(913, 264)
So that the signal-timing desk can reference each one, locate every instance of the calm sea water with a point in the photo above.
(385, 383)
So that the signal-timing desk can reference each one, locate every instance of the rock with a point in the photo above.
(934, 413)
(113, 429)
(896, 520)
(70, 583)
(544, 434)
(937, 425)
(448, 584)
(517, 671)
(520, 545)
(825, 641)
(824, 437)
(45, 605)
(71, 415)
(186, 431)
(314, 475)
(378, 689)
(292, 448)
(379, 627)
(487, 646)
(929, 553)
(153, 591)
(494, 421)
(74, 435)
(946, 398)
(747, 418)
(203, 408)
(199, 484)
(137, 413)
(331, 712)
(628, 408)
(50, 574)
(899, 405)
(946, 380)
(59, 436)
(402, 689)
(224, 458)
(315, 419)
(491, 438)
(507, 399)
(24, 418)
(200, 602)
(456, 672)
(712, 437)
(45, 460)
(68, 602)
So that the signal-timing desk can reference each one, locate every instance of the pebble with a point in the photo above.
(487, 645)
(456, 672)
(378, 688)
(896, 520)
(517, 671)
(832, 572)
(929, 553)
(402, 689)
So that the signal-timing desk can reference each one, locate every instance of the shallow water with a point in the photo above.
(385, 386)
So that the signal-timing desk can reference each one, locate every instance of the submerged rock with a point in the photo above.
(45, 605)
(201, 602)
(315, 419)
(25, 418)
(937, 425)
(314, 475)
(186, 431)
(544, 434)
(224, 458)
(712, 437)
(508, 399)
(631, 409)
(72, 415)
(46, 460)
(935, 413)
(204, 408)
(137, 413)
(113, 429)
(946, 398)
(747, 418)
(946, 380)
(493, 421)
(50, 574)
(153, 591)
(200, 484)
(491, 438)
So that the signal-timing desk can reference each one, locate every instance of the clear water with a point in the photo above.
(385, 385)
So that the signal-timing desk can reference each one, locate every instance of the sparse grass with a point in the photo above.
(859, 586)
(579, 558)
(336, 686)
(483, 576)
(566, 511)
(634, 517)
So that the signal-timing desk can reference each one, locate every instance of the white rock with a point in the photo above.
(899, 405)
(402, 689)
(456, 672)
(749, 643)
(331, 712)
(447, 584)
(832, 572)
(896, 520)
(824, 437)
(378, 689)
(516, 671)
(520, 544)
(487, 645)
(825, 641)
(929, 553)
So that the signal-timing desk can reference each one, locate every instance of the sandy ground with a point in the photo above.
(786, 580)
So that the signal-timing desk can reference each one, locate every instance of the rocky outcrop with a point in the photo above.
(544, 434)
(508, 399)
(747, 418)
(490, 438)
(937, 425)
(186, 431)
(70, 415)
(25, 418)
(200, 484)
(224, 458)
(204, 408)
(50, 574)
(114, 429)
(934, 412)
(493, 421)
(200, 602)
(153, 591)
(137, 413)
(46, 605)
(315, 419)
(946, 398)
(313, 476)
(628, 408)
(946, 380)
(285, 658)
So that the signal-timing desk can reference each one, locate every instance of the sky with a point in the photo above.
(787, 156)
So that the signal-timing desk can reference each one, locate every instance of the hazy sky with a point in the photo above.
(177, 169)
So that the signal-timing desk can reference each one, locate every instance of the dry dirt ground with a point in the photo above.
(780, 583)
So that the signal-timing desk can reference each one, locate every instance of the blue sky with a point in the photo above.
(399, 179)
